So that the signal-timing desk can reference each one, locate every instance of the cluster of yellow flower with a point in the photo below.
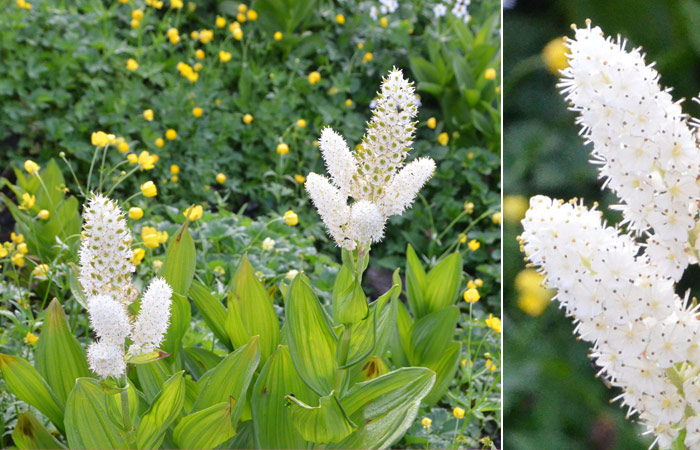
(173, 35)
(23, 4)
(16, 248)
(494, 323)
(158, 4)
(145, 160)
(152, 238)
(188, 71)
(471, 294)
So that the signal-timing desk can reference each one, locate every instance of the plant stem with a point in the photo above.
(126, 417)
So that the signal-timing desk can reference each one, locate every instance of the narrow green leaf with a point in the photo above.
(385, 407)
(212, 311)
(151, 377)
(253, 306)
(27, 385)
(431, 335)
(272, 421)
(321, 424)
(207, 428)
(59, 358)
(415, 283)
(89, 421)
(75, 288)
(29, 433)
(442, 283)
(312, 342)
(230, 378)
(349, 301)
(445, 367)
(165, 409)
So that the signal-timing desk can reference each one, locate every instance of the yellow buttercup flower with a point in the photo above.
(360, 45)
(479, 282)
(199, 54)
(496, 218)
(247, 119)
(174, 169)
(514, 208)
(340, 19)
(432, 123)
(474, 245)
(368, 57)
(277, 36)
(159, 142)
(224, 56)
(41, 271)
(171, 135)
(173, 35)
(314, 77)
(490, 73)
(290, 218)
(146, 161)
(384, 21)
(252, 15)
(533, 297)
(348, 103)
(193, 213)
(176, 4)
(299, 178)
(206, 36)
(131, 64)
(241, 17)
(282, 148)
(242, 8)
(301, 123)
(18, 259)
(135, 213)
(157, 264)
(3, 251)
(174, 179)
(43, 214)
(490, 365)
(135, 23)
(444, 139)
(427, 422)
(220, 22)
(458, 412)
(150, 237)
(462, 238)
(471, 296)
(468, 207)
(197, 111)
(30, 338)
(220, 178)
(238, 34)
(163, 237)
(554, 55)
(31, 167)
(99, 139)
(137, 14)
(139, 253)
(27, 201)
(122, 145)
(16, 238)
(23, 248)
(494, 323)
(148, 115)
(149, 189)
(132, 158)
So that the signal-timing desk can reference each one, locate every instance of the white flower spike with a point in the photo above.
(373, 175)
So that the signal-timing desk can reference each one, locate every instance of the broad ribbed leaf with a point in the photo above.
(178, 271)
(321, 424)
(59, 358)
(415, 283)
(272, 421)
(385, 407)
(445, 368)
(212, 311)
(442, 283)
(151, 378)
(349, 301)
(432, 334)
(230, 379)
(89, 423)
(253, 305)
(207, 428)
(29, 433)
(165, 409)
(312, 342)
(27, 385)
(199, 361)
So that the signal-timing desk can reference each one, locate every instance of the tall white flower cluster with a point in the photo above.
(374, 175)
(620, 292)
(641, 139)
(105, 275)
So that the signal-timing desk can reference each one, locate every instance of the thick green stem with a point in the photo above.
(342, 358)
(126, 417)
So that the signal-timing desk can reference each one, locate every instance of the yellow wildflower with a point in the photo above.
(314, 77)
(533, 297)
(299, 178)
(277, 36)
(31, 167)
(137, 14)
(241, 17)
(23, 248)
(199, 54)
(427, 422)
(340, 19)
(99, 139)
(197, 111)
(43, 214)
(220, 178)
(174, 169)
(16, 238)
(159, 142)
(471, 296)
(132, 158)
(301, 123)
(193, 213)
(242, 7)
(554, 55)
(131, 64)
(171, 135)
(30, 338)
(490, 73)
(494, 323)
(282, 148)
(474, 245)
(27, 201)
(135, 213)
(468, 207)
(148, 115)
(247, 119)
(514, 208)
(462, 238)
(368, 57)
(348, 103)
(122, 145)
(224, 56)
(496, 218)
(238, 34)
(18, 259)
(176, 4)
(384, 21)
(432, 123)
(139, 253)
(220, 22)
(252, 15)
(458, 412)
(206, 36)
(444, 139)
(40, 271)
(290, 218)
(150, 237)
(149, 189)
(146, 161)
(157, 264)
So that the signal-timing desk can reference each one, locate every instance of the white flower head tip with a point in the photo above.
(105, 252)
(332, 206)
(366, 222)
(403, 188)
(154, 316)
(109, 319)
(340, 162)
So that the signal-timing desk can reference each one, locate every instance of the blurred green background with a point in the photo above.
(553, 399)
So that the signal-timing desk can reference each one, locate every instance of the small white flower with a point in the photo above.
(153, 319)
(106, 359)
(439, 10)
(268, 244)
(291, 274)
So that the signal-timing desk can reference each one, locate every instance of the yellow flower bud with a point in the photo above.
(368, 57)
(290, 218)
(474, 245)
(40, 271)
(31, 167)
(301, 123)
(299, 178)
(471, 296)
(444, 139)
(340, 19)
(43, 214)
(247, 119)
(252, 15)
(224, 56)
(137, 14)
(458, 412)
(131, 64)
(348, 103)
(149, 189)
(193, 213)
(384, 21)
(139, 253)
(220, 178)
(490, 74)
(282, 148)
(148, 115)
(199, 54)
(432, 123)
(30, 338)
(314, 77)
(135, 213)
(220, 22)
(197, 112)
(277, 36)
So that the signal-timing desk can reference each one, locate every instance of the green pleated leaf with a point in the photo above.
(312, 342)
(385, 407)
(151, 377)
(349, 301)
(145, 358)
(370, 369)
(415, 283)
(445, 367)
(252, 305)
(321, 424)
(386, 313)
(230, 379)
(165, 409)
(273, 422)
(178, 270)
(212, 311)
(431, 335)
(25, 383)
(442, 283)
(401, 345)
(362, 340)
(59, 358)
(199, 360)
(29, 433)
(91, 418)
(207, 428)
